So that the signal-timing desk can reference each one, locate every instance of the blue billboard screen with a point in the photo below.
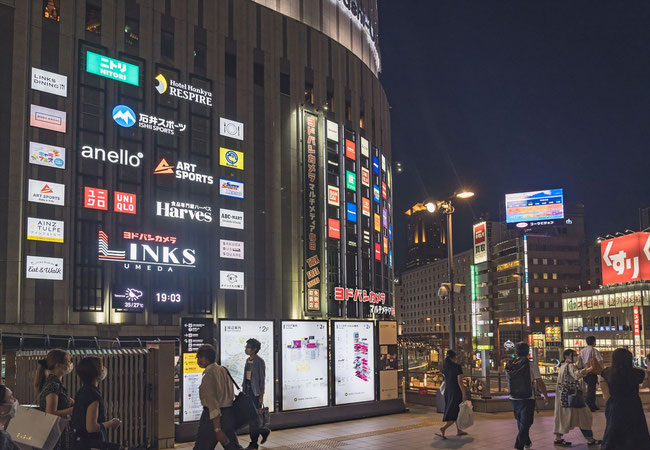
(535, 206)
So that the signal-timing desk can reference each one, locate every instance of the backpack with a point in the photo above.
(518, 375)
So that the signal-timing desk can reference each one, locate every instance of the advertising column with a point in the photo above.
(194, 333)
(354, 362)
(387, 360)
(312, 215)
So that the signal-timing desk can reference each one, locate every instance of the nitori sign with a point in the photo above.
(112, 68)
(626, 258)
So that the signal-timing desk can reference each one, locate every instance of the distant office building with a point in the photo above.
(592, 276)
(426, 236)
(420, 311)
(644, 218)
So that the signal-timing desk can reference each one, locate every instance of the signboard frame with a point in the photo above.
(333, 360)
(207, 322)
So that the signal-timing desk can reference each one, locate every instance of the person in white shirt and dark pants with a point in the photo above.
(591, 380)
(217, 423)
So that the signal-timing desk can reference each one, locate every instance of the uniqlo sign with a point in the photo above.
(124, 203)
(626, 258)
(350, 149)
(95, 198)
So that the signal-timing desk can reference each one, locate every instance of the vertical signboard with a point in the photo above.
(194, 333)
(233, 335)
(354, 361)
(304, 364)
(637, 332)
(312, 215)
(387, 360)
(480, 243)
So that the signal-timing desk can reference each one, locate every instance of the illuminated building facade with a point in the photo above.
(425, 234)
(220, 158)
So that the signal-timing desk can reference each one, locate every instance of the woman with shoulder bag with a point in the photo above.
(53, 397)
(571, 411)
(454, 393)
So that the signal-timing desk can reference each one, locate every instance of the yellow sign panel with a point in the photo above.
(190, 364)
(508, 265)
(377, 223)
(231, 158)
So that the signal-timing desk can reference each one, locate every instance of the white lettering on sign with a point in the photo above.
(122, 157)
(184, 210)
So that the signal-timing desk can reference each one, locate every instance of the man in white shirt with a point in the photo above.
(586, 355)
(216, 393)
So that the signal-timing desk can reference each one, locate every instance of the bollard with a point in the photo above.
(485, 374)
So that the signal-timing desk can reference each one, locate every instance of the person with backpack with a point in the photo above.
(570, 408)
(217, 423)
(521, 373)
(589, 357)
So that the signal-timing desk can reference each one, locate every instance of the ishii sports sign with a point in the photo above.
(626, 258)
(146, 251)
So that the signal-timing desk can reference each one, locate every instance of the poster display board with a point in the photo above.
(194, 333)
(233, 336)
(354, 361)
(387, 360)
(304, 364)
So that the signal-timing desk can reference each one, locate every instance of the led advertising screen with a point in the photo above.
(535, 206)
(354, 361)
(233, 336)
(304, 364)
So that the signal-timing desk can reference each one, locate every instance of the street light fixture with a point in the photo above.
(447, 208)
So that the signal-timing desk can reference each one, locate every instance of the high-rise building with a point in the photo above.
(420, 312)
(425, 234)
(644, 218)
(221, 159)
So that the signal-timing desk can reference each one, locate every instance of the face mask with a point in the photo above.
(102, 377)
(14, 409)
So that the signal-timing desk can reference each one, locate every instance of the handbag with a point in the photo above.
(265, 416)
(575, 397)
(593, 366)
(36, 428)
(465, 415)
(243, 408)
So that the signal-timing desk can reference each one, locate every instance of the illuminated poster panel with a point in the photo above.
(304, 364)
(312, 215)
(354, 361)
(233, 336)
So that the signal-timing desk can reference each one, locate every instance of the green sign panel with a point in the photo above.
(351, 180)
(112, 68)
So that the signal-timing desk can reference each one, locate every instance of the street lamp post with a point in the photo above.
(447, 208)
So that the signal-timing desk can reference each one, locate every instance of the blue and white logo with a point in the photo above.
(124, 116)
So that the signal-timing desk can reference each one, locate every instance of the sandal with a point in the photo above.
(441, 434)
(594, 442)
(561, 443)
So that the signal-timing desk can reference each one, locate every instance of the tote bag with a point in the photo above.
(36, 428)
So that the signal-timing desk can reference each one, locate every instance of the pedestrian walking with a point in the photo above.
(216, 392)
(570, 414)
(521, 374)
(254, 387)
(51, 396)
(626, 426)
(590, 356)
(8, 409)
(89, 413)
(455, 393)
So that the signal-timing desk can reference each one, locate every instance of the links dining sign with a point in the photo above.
(312, 215)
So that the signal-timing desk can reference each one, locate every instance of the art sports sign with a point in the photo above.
(626, 258)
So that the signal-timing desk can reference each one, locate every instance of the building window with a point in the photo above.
(544, 261)
(330, 101)
(536, 290)
(309, 92)
(167, 43)
(546, 290)
(51, 10)
(545, 276)
(93, 18)
(132, 32)
(537, 320)
(555, 276)
(556, 319)
(535, 276)
(547, 320)
(258, 75)
(200, 56)
(535, 261)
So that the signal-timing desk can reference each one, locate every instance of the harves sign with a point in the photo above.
(148, 253)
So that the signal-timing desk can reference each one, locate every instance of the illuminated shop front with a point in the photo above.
(616, 315)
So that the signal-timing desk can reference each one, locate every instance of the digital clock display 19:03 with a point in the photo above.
(164, 297)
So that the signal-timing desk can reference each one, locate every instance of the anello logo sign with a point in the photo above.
(50, 82)
(231, 129)
(183, 210)
(146, 256)
(120, 157)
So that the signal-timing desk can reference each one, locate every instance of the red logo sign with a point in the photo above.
(334, 228)
(365, 206)
(365, 176)
(47, 190)
(626, 258)
(479, 233)
(95, 198)
(333, 195)
(637, 322)
(163, 167)
(124, 202)
(350, 149)
(383, 190)
(377, 251)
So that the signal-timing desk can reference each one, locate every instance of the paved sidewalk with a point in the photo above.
(415, 430)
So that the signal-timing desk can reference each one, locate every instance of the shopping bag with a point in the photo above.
(36, 428)
(465, 415)
(265, 416)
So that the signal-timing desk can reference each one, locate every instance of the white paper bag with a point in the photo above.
(465, 416)
(35, 428)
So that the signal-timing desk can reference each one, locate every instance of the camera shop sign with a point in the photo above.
(150, 252)
(312, 214)
(376, 299)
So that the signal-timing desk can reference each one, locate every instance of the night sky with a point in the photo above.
(508, 96)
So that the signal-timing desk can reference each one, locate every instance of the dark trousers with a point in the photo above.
(206, 438)
(254, 426)
(524, 414)
(590, 399)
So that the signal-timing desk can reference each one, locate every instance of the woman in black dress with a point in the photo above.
(626, 425)
(52, 397)
(454, 393)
